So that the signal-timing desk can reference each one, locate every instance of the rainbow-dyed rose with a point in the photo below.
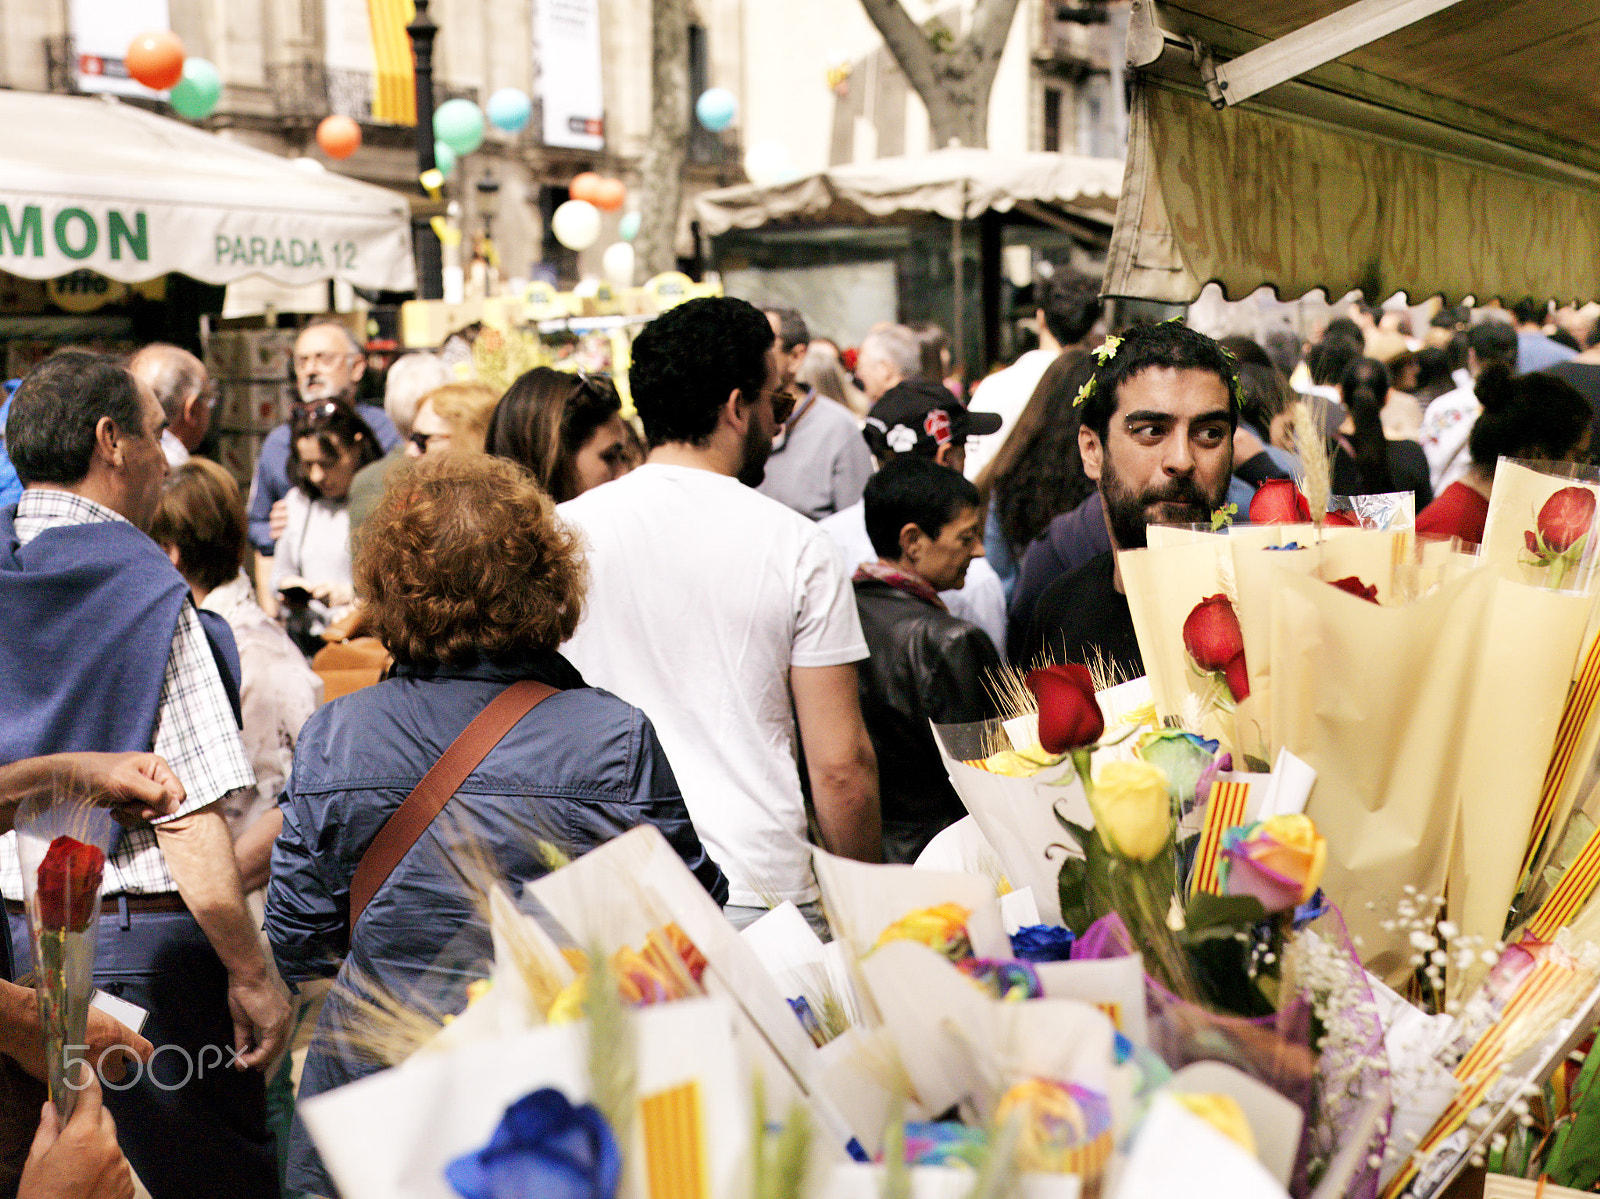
(942, 928)
(1278, 861)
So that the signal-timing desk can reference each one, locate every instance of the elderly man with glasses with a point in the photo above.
(328, 363)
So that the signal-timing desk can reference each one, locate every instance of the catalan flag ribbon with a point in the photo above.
(1225, 810)
(1574, 736)
(394, 94)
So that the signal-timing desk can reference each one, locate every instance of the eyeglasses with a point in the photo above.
(326, 360)
(423, 440)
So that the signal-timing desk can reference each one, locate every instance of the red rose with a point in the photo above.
(1565, 517)
(1279, 502)
(1212, 637)
(68, 881)
(1357, 588)
(1341, 518)
(1069, 714)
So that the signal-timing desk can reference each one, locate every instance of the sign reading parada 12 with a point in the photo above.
(43, 240)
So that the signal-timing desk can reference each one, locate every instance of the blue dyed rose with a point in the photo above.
(544, 1146)
(1042, 943)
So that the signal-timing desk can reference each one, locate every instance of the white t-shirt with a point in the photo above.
(702, 594)
(1006, 392)
(981, 599)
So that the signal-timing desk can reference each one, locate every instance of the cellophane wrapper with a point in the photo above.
(64, 949)
(1329, 1069)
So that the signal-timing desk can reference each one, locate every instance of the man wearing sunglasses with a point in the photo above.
(328, 364)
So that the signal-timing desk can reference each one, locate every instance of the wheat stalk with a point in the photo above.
(1316, 473)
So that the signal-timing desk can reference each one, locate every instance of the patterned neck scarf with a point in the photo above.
(900, 580)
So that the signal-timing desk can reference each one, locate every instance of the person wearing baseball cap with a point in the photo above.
(920, 417)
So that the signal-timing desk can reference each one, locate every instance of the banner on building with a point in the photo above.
(566, 48)
(101, 31)
(367, 58)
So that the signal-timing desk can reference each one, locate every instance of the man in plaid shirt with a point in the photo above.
(105, 650)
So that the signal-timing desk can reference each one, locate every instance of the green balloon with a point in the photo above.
(444, 158)
(197, 93)
(459, 125)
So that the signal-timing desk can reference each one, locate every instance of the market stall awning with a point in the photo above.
(957, 184)
(1457, 154)
(97, 184)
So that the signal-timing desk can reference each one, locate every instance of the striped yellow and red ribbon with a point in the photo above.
(674, 1144)
(1577, 720)
(1571, 893)
(1225, 810)
(1449, 1120)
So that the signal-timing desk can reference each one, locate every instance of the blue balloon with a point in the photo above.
(444, 158)
(628, 226)
(716, 108)
(509, 110)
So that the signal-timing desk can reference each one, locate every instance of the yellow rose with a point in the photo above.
(1131, 809)
(1224, 1114)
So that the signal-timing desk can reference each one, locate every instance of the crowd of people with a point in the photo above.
(732, 616)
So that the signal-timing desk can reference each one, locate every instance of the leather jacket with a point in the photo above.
(925, 665)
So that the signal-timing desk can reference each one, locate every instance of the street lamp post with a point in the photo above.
(430, 263)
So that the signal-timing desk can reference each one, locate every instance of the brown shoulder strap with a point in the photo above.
(400, 832)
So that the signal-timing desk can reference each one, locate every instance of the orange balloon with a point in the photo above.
(338, 136)
(610, 194)
(155, 59)
(584, 186)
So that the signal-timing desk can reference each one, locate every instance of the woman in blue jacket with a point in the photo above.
(471, 581)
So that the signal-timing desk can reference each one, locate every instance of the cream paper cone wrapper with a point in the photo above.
(1520, 491)
(1372, 555)
(854, 1181)
(1274, 1121)
(1177, 1153)
(1255, 572)
(390, 1135)
(1520, 692)
(620, 891)
(1163, 586)
(863, 899)
(1017, 815)
(960, 1046)
(1376, 701)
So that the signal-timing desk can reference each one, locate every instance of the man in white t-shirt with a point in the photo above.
(727, 617)
(1069, 305)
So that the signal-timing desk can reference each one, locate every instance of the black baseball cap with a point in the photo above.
(918, 416)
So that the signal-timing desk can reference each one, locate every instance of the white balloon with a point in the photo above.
(767, 163)
(576, 224)
(616, 264)
(309, 165)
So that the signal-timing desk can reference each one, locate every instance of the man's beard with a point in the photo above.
(757, 449)
(1129, 512)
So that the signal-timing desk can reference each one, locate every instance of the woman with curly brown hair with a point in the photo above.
(472, 582)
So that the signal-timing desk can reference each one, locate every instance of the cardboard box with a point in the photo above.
(238, 453)
(253, 406)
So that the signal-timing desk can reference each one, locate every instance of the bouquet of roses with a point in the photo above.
(63, 849)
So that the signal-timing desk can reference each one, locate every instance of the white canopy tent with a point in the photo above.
(957, 184)
(94, 183)
(1060, 191)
